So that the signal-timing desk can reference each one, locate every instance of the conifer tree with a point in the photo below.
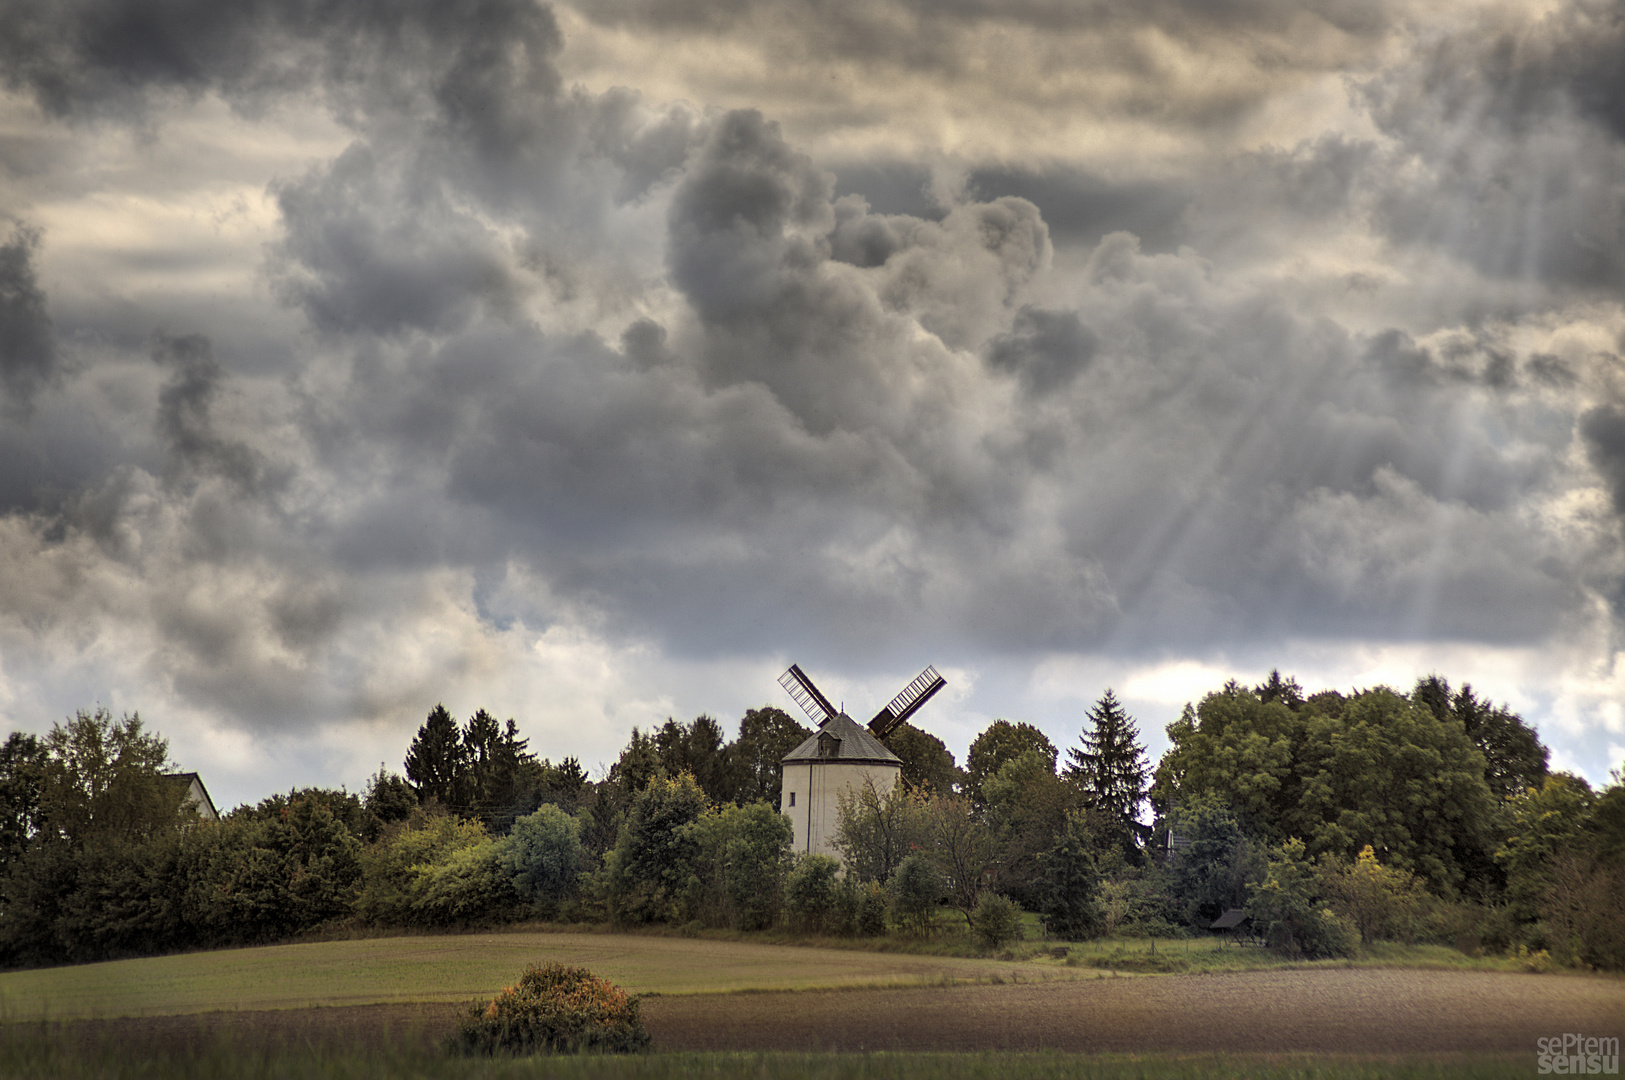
(1111, 768)
(434, 762)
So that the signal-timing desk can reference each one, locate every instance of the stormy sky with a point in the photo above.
(591, 362)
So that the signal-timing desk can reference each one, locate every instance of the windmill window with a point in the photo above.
(792, 798)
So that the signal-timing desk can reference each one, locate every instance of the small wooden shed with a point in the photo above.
(1237, 926)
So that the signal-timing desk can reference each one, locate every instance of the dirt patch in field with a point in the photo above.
(1340, 1011)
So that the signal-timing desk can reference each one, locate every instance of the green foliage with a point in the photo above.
(1382, 771)
(554, 1009)
(696, 748)
(756, 756)
(1286, 908)
(398, 869)
(999, 743)
(997, 920)
(482, 770)
(657, 851)
(964, 848)
(468, 887)
(434, 761)
(1071, 882)
(1111, 768)
(875, 830)
(103, 781)
(1514, 758)
(1565, 863)
(22, 772)
(1383, 903)
(928, 766)
(873, 903)
(638, 764)
(916, 889)
(387, 799)
(1545, 822)
(743, 854)
(1211, 875)
(542, 855)
(813, 892)
(1026, 805)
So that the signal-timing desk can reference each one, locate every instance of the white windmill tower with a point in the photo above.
(841, 755)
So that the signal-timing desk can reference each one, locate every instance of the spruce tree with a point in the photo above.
(1111, 768)
(434, 762)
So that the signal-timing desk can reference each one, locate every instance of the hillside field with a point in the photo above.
(724, 1008)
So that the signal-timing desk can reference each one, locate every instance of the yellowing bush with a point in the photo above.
(554, 1009)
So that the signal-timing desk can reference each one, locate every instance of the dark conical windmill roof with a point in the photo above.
(857, 744)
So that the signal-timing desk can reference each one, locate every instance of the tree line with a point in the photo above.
(1330, 819)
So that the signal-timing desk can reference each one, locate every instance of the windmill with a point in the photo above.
(841, 755)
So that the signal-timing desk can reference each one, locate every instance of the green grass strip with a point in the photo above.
(46, 1058)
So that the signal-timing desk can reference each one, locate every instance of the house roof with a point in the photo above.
(851, 742)
(205, 803)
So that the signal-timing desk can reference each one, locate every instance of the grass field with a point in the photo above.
(461, 967)
(391, 970)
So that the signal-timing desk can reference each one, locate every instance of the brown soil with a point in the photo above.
(1336, 1011)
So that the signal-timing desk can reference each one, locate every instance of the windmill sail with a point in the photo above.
(813, 703)
(905, 704)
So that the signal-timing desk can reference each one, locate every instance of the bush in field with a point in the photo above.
(543, 855)
(916, 888)
(812, 892)
(997, 920)
(554, 1009)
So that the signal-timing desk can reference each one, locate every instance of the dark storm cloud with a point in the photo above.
(1603, 429)
(28, 357)
(1045, 349)
(185, 421)
(95, 56)
(365, 250)
(1081, 207)
(1177, 16)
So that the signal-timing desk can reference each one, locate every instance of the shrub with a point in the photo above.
(813, 891)
(1284, 906)
(554, 1009)
(871, 914)
(997, 920)
(916, 889)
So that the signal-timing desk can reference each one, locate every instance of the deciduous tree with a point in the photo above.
(1000, 742)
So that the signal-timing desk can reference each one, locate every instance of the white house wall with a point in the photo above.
(810, 797)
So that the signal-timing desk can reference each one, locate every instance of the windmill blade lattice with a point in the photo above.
(907, 703)
(812, 702)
